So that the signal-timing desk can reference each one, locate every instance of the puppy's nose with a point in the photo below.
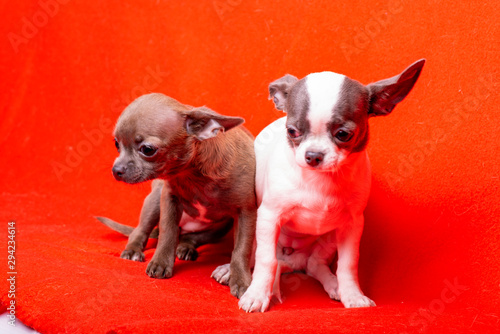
(118, 171)
(314, 158)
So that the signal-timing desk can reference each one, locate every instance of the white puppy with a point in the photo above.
(313, 181)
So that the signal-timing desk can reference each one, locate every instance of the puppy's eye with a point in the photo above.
(343, 136)
(117, 145)
(148, 150)
(293, 133)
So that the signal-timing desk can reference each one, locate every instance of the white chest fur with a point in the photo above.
(309, 202)
(189, 224)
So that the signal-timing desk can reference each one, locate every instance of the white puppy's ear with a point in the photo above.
(204, 123)
(279, 89)
(385, 94)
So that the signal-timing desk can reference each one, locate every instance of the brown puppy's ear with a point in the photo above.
(279, 89)
(204, 123)
(385, 94)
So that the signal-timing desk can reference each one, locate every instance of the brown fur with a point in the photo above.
(201, 158)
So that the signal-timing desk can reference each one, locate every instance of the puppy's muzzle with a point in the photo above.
(313, 159)
(119, 171)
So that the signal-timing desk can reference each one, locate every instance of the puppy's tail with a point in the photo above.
(123, 229)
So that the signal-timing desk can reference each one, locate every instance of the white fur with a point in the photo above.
(189, 224)
(313, 212)
(324, 91)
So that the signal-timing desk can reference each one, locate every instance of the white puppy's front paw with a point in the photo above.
(357, 301)
(222, 274)
(254, 300)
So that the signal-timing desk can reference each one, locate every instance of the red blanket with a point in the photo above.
(430, 250)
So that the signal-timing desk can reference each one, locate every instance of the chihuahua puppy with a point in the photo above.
(313, 181)
(204, 166)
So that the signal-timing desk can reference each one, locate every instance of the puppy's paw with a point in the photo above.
(158, 269)
(239, 286)
(334, 294)
(186, 252)
(221, 274)
(357, 301)
(254, 300)
(332, 288)
(239, 279)
(133, 254)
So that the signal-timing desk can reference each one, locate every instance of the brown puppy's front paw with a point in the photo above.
(158, 269)
(186, 252)
(239, 284)
(133, 254)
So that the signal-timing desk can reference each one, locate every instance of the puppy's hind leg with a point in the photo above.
(150, 215)
(222, 273)
(283, 268)
(186, 249)
(318, 264)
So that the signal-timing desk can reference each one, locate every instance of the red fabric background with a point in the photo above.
(69, 68)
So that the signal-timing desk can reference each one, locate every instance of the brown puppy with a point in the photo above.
(206, 182)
